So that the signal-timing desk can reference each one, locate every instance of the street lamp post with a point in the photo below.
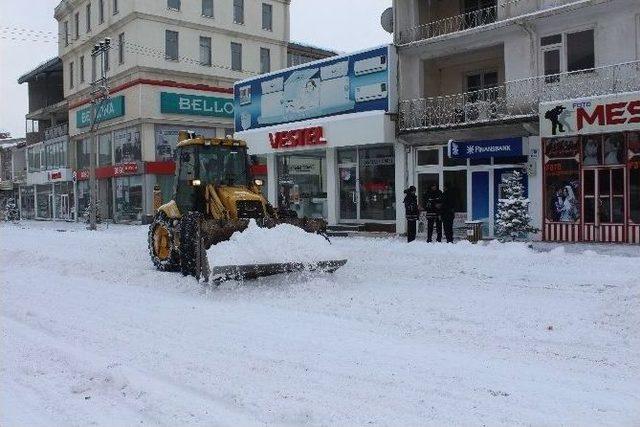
(99, 94)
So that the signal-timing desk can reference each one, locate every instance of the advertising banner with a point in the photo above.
(110, 109)
(195, 105)
(583, 116)
(507, 147)
(354, 83)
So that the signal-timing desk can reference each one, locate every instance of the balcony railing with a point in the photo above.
(516, 99)
(449, 25)
(56, 131)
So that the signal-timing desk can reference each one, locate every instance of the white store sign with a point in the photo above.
(583, 116)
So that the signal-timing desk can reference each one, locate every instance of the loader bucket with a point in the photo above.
(254, 271)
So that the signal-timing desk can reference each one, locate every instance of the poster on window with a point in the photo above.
(167, 139)
(562, 180)
(127, 145)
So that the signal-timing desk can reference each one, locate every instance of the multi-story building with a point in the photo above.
(48, 189)
(12, 169)
(472, 76)
(171, 67)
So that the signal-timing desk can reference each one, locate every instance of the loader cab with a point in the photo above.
(202, 162)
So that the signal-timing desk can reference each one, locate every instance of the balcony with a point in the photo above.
(515, 100)
(449, 25)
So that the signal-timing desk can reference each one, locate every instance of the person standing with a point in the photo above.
(447, 213)
(411, 212)
(433, 200)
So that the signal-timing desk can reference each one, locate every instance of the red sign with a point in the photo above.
(125, 169)
(297, 138)
(110, 171)
(616, 113)
(55, 175)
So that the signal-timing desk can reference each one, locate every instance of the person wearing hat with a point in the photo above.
(411, 212)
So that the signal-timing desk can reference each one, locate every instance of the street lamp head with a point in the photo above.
(101, 44)
(107, 41)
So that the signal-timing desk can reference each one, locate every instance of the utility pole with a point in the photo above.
(99, 94)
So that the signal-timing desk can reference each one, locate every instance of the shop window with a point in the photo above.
(127, 145)
(347, 156)
(27, 202)
(377, 183)
(603, 149)
(562, 182)
(302, 184)
(84, 196)
(456, 183)
(82, 153)
(428, 157)
(448, 161)
(129, 198)
(44, 198)
(104, 150)
(634, 176)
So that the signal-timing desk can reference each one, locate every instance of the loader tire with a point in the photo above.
(189, 240)
(162, 243)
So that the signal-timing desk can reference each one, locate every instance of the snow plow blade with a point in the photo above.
(254, 271)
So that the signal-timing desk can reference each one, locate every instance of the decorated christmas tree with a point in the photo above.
(11, 211)
(513, 219)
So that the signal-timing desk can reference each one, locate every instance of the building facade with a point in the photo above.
(324, 138)
(171, 67)
(474, 72)
(47, 192)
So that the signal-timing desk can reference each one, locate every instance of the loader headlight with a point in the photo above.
(258, 182)
(196, 182)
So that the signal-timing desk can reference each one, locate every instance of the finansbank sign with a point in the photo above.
(195, 105)
(109, 109)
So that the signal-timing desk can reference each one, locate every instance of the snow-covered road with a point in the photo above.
(403, 335)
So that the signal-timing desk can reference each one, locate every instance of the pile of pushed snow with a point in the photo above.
(283, 243)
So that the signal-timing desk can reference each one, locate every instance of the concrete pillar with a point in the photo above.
(401, 184)
(272, 179)
(333, 181)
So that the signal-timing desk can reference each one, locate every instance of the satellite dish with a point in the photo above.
(386, 20)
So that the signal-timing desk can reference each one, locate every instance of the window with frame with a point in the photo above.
(115, 7)
(121, 48)
(171, 45)
(265, 60)
(173, 4)
(207, 8)
(88, 11)
(236, 56)
(267, 17)
(100, 11)
(66, 33)
(238, 11)
(478, 84)
(71, 75)
(82, 69)
(428, 157)
(567, 52)
(76, 21)
(205, 51)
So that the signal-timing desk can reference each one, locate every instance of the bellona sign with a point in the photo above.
(107, 110)
(195, 105)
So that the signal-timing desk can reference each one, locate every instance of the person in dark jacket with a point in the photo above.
(411, 212)
(433, 205)
(447, 213)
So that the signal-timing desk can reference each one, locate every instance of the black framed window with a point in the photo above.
(238, 11)
(171, 45)
(207, 8)
(236, 56)
(267, 17)
(265, 60)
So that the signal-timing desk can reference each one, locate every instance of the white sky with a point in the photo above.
(342, 25)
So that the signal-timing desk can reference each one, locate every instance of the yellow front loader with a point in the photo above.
(214, 197)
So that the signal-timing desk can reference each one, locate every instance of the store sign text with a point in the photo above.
(195, 105)
(297, 138)
(109, 171)
(55, 175)
(107, 110)
(613, 113)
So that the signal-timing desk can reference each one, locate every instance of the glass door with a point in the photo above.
(64, 206)
(349, 204)
(604, 197)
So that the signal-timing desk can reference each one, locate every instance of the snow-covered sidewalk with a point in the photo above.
(404, 334)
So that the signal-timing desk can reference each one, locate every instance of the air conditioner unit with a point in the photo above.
(370, 65)
(334, 71)
(371, 92)
(275, 85)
